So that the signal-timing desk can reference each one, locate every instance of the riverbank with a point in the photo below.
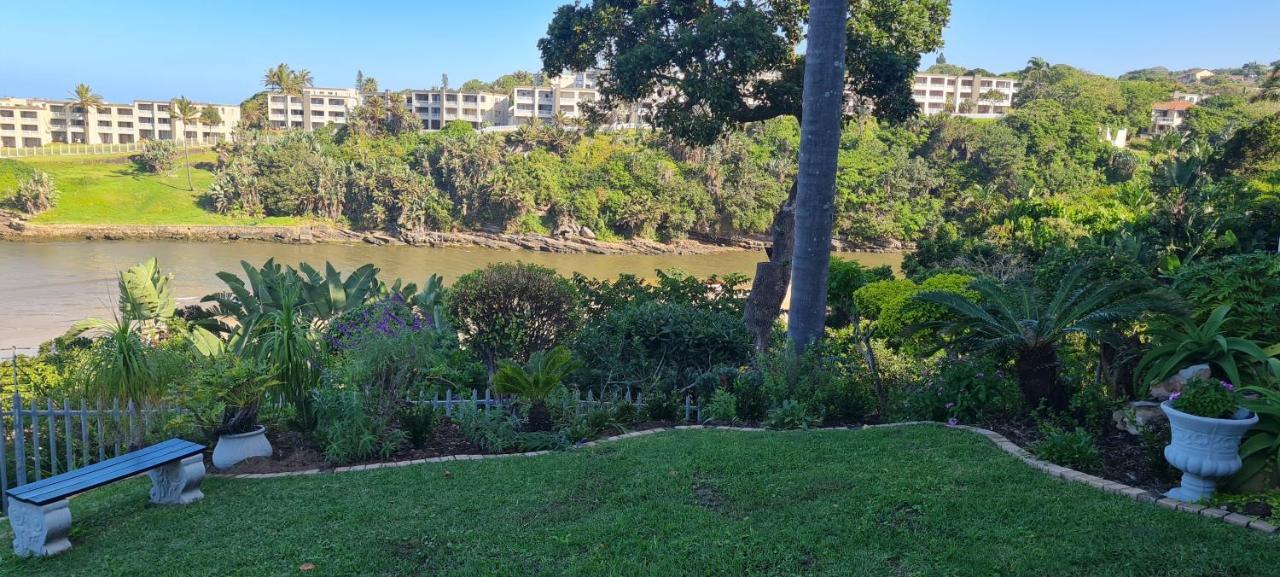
(13, 227)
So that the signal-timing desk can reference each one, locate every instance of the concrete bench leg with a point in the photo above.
(177, 483)
(39, 530)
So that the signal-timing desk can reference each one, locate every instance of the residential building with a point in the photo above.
(439, 106)
(972, 96)
(1195, 75)
(316, 107)
(1168, 116)
(565, 95)
(1189, 97)
(34, 122)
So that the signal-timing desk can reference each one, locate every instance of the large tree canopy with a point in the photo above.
(718, 64)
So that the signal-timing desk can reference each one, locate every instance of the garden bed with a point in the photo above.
(1125, 458)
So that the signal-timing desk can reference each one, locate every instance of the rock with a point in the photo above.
(587, 233)
(1137, 416)
(1175, 383)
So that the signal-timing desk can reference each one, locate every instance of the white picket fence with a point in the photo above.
(44, 437)
(85, 149)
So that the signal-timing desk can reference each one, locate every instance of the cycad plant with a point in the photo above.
(1020, 320)
(534, 381)
(1185, 343)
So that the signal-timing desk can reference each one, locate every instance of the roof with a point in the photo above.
(1172, 105)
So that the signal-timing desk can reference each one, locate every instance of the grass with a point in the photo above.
(906, 501)
(108, 190)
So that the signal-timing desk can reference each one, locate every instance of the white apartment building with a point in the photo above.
(971, 96)
(438, 107)
(564, 95)
(33, 122)
(1169, 116)
(315, 108)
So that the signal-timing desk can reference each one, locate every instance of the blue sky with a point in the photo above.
(217, 51)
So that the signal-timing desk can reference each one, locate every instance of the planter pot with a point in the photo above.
(1204, 449)
(232, 449)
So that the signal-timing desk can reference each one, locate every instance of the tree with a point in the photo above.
(366, 84)
(724, 64)
(816, 181)
(475, 85)
(86, 100)
(1271, 86)
(187, 113)
(288, 82)
(209, 116)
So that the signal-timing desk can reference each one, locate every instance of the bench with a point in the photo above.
(38, 511)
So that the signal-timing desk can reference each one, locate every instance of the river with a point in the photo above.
(47, 286)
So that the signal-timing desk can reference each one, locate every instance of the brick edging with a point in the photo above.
(1004, 444)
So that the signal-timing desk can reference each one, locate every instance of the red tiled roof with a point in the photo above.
(1172, 105)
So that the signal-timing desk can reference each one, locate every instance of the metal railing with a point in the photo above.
(88, 149)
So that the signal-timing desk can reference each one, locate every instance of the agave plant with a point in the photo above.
(1185, 343)
(1260, 450)
(534, 381)
(1019, 319)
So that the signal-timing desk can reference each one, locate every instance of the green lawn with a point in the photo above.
(107, 189)
(903, 501)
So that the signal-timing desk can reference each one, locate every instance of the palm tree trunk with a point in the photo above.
(815, 182)
(186, 147)
(1037, 370)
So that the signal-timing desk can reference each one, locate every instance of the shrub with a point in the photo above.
(659, 347)
(723, 407)
(1092, 408)
(717, 294)
(223, 394)
(36, 193)
(814, 380)
(845, 277)
(909, 321)
(491, 430)
(510, 311)
(1074, 449)
(535, 381)
(1248, 283)
(1207, 398)
(156, 156)
(1184, 343)
(970, 391)
(350, 430)
(382, 318)
(790, 415)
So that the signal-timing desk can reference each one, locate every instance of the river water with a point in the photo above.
(47, 286)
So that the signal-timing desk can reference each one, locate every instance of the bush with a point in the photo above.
(1248, 283)
(970, 391)
(816, 381)
(1074, 449)
(491, 430)
(350, 430)
(510, 311)
(723, 407)
(657, 347)
(717, 294)
(392, 369)
(790, 415)
(908, 321)
(36, 193)
(382, 318)
(845, 277)
(156, 156)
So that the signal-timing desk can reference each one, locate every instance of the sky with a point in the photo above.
(217, 51)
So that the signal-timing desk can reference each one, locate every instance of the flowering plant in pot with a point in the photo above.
(1207, 422)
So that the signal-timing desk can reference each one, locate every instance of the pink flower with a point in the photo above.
(1228, 386)
(1174, 397)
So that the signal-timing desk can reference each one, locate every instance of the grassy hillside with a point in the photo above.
(108, 189)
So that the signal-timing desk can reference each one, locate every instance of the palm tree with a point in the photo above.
(1270, 87)
(184, 111)
(209, 116)
(84, 98)
(1020, 320)
(815, 184)
(289, 83)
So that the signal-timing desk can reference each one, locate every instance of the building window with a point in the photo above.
(7, 114)
(317, 101)
(335, 102)
(6, 127)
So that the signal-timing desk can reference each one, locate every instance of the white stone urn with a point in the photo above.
(232, 449)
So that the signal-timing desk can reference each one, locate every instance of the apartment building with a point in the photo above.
(439, 106)
(565, 95)
(972, 96)
(1169, 116)
(315, 108)
(33, 122)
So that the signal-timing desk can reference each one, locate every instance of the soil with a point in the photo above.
(292, 451)
(1125, 459)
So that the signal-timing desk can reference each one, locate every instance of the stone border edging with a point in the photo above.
(1004, 444)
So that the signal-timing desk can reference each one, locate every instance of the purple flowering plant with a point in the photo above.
(1211, 398)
